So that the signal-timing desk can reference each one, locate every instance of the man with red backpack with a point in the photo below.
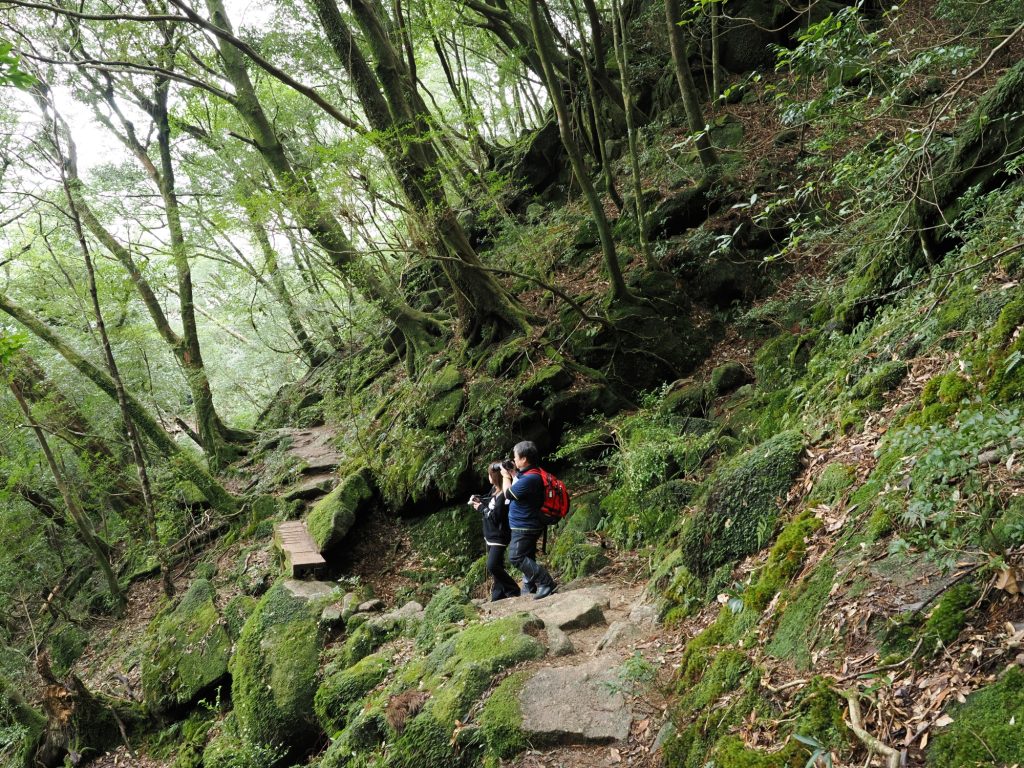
(527, 488)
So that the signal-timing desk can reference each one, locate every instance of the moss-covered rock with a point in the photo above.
(574, 557)
(344, 686)
(445, 409)
(275, 666)
(231, 746)
(445, 380)
(550, 378)
(779, 361)
(784, 561)
(949, 616)
(449, 606)
(881, 380)
(689, 400)
(334, 515)
(987, 730)
(796, 635)
(741, 508)
(186, 650)
(501, 719)
(729, 377)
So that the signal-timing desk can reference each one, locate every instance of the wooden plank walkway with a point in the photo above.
(301, 557)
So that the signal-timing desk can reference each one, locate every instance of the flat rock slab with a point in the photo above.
(577, 609)
(574, 610)
(575, 705)
(310, 488)
(309, 590)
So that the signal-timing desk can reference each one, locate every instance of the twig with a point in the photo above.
(856, 724)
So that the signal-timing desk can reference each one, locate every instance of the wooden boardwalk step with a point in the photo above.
(301, 556)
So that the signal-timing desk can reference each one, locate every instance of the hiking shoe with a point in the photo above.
(528, 588)
(544, 591)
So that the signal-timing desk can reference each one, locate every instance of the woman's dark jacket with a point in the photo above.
(494, 509)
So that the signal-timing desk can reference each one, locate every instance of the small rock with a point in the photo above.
(478, 601)
(559, 643)
(411, 610)
(349, 604)
(371, 606)
(331, 615)
(644, 614)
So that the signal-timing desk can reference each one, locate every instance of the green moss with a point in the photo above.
(832, 483)
(727, 377)
(949, 616)
(730, 752)
(741, 508)
(66, 643)
(237, 612)
(234, 747)
(444, 410)
(573, 557)
(721, 677)
(448, 541)
(445, 380)
(274, 670)
(334, 515)
(881, 380)
(548, 379)
(987, 730)
(446, 608)
(784, 561)
(344, 686)
(1011, 317)
(797, 634)
(501, 719)
(818, 712)
(185, 651)
(781, 360)
(585, 515)
(363, 640)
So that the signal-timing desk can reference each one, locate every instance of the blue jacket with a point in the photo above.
(526, 497)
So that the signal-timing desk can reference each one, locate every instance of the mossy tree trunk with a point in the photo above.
(183, 463)
(542, 39)
(688, 89)
(388, 95)
(303, 198)
(82, 522)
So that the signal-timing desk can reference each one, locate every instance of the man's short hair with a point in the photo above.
(527, 449)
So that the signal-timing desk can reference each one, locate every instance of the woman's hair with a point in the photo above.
(494, 473)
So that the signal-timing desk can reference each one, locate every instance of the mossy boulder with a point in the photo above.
(689, 400)
(988, 729)
(781, 360)
(334, 515)
(448, 608)
(186, 650)
(729, 377)
(345, 686)
(501, 719)
(797, 632)
(445, 409)
(445, 380)
(739, 514)
(274, 669)
(882, 379)
(548, 379)
(574, 557)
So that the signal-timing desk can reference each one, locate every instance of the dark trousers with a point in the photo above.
(504, 585)
(523, 554)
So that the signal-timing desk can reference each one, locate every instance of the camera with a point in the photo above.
(474, 498)
(509, 465)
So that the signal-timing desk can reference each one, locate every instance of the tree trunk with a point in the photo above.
(388, 101)
(308, 206)
(688, 89)
(622, 56)
(183, 463)
(620, 293)
(78, 515)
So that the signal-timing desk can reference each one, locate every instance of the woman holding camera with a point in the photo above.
(497, 534)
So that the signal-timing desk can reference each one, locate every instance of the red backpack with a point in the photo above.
(556, 498)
